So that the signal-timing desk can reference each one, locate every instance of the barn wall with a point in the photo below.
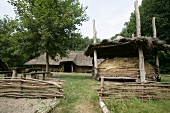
(51, 68)
(83, 69)
(77, 69)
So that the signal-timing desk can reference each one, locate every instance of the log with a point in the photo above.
(95, 52)
(141, 56)
(102, 83)
(156, 52)
(18, 95)
(103, 107)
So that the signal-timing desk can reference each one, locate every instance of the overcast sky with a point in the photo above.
(110, 16)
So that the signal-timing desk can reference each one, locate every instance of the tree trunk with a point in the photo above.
(47, 65)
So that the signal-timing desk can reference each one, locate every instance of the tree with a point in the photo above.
(48, 26)
(151, 8)
(8, 52)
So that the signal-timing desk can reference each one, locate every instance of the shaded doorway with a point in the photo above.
(68, 67)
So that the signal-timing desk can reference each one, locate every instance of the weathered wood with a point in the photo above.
(14, 73)
(35, 81)
(47, 64)
(19, 95)
(152, 90)
(141, 56)
(103, 107)
(4, 72)
(156, 52)
(118, 78)
(102, 83)
(26, 88)
(95, 52)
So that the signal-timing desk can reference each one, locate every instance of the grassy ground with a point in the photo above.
(139, 106)
(165, 77)
(80, 96)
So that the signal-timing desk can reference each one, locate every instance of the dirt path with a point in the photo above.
(23, 105)
(80, 96)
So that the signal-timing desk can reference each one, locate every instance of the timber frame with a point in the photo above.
(129, 47)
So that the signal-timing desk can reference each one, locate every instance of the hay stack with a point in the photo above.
(124, 67)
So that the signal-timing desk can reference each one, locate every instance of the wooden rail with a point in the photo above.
(150, 90)
(35, 75)
(30, 88)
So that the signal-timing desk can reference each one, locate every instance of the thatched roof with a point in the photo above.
(41, 60)
(77, 57)
(126, 47)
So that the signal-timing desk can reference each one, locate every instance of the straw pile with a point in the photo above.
(124, 67)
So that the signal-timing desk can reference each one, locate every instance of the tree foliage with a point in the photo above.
(8, 52)
(151, 8)
(48, 26)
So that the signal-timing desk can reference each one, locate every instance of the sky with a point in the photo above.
(109, 16)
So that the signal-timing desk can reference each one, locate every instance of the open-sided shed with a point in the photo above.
(125, 49)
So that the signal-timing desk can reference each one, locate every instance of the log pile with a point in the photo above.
(146, 91)
(30, 88)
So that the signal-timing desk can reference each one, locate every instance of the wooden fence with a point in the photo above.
(30, 88)
(145, 91)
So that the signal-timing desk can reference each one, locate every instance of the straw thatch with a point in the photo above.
(41, 60)
(127, 47)
(75, 59)
(124, 67)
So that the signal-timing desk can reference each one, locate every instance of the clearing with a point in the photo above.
(80, 96)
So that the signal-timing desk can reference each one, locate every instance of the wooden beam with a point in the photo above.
(95, 52)
(14, 73)
(103, 107)
(102, 83)
(156, 52)
(141, 56)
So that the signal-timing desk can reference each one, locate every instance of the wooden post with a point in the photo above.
(47, 64)
(156, 52)
(102, 83)
(43, 76)
(14, 73)
(141, 56)
(133, 35)
(103, 107)
(95, 52)
(72, 69)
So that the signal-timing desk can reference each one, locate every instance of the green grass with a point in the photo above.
(79, 94)
(138, 106)
(165, 77)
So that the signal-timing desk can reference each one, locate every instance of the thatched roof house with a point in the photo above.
(75, 61)
(121, 56)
